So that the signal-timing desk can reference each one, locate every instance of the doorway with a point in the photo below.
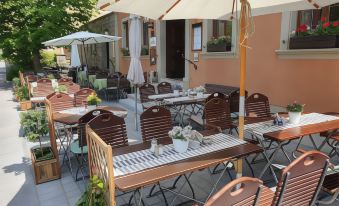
(175, 49)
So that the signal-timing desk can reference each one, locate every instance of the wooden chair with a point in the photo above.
(60, 101)
(81, 96)
(111, 129)
(164, 88)
(146, 90)
(79, 147)
(217, 114)
(44, 81)
(72, 88)
(257, 105)
(31, 78)
(300, 182)
(244, 191)
(155, 123)
(64, 80)
(234, 101)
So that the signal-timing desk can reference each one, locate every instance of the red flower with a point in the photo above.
(335, 24)
(326, 25)
(323, 19)
(302, 28)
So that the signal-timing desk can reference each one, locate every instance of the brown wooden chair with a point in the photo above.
(44, 81)
(31, 78)
(60, 101)
(257, 105)
(244, 191)
(81, 96)
(79, 146)
(155, 123)
(64, 80)
(164, 88)
(111, 129)
(217, 114)
(146, 90)
(234, 101)
(300, 182)
(72, 88)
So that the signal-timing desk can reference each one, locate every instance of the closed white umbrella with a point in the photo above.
(75, 59)
(135, 73)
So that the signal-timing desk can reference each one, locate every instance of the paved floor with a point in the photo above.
(16, 178)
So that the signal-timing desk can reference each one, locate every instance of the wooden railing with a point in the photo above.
(100, 161)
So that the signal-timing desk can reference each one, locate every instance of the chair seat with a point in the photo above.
(76, 149)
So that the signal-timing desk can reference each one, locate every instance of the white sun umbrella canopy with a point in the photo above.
(209, 9)
(135, 74)
(75, 59)
(82, 37)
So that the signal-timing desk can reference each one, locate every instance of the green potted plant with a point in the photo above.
(325, 35)
(144, 51)
(180, 137)
(23, 95)
(125, 52)
(16, 84)
(294, 112)
(94, 194)
(93, 100)
(220, 44)
(35, 126)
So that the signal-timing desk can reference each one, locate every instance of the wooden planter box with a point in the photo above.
(219, 47)
(314, 42)
(45, 170)
(25, 105)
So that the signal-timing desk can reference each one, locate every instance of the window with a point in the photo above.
(197, 37)
(222, 28)
(125, 36)
(309, 17)
(145, 37)
(334, 12)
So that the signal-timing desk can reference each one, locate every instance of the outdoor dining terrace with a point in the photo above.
(181, 147)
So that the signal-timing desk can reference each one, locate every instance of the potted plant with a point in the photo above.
(94, 194)
(125, 52)
(23, 95)
(93, 100)
(144, 51)
(220, 44)
(16, 84)
(35, 126)
(294, 112)
(180, 137)
(325, 35)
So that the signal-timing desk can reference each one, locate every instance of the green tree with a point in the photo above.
(25, 24)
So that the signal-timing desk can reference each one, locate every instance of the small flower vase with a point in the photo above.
(294, 117)
(180, 145)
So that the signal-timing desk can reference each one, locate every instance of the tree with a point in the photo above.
(25, 24)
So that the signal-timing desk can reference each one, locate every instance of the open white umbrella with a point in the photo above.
(75, 59)
(135, 73)
(218, 9)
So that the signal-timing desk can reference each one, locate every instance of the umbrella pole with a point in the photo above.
(136, 107)
(243, 51)
(83, 46)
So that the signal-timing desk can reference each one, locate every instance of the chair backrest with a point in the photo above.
(72, 88)
(83, 122)
(145, 91)
(31, 78)
(164, 88)
(234, 100)
(44, 81)
(112, 82)
(81, 96)
(216, 95)
(244, 191)
(300, 182)
(63, 80)
(217, 113)
(155, 123)
(60, 101)
(257, 105)
(111, 129)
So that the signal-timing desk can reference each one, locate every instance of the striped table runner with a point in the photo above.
(144, 159)
(265, 127)
(82, 111)
(185, 98)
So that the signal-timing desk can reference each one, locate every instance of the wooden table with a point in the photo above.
(71, 119)
(136, 181)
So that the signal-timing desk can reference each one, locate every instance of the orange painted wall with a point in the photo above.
(313, 82)
(125, 61)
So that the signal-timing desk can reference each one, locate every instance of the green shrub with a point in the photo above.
(16, 82)
(94, 194)
(23, 93)
(48, 58)
(12, 72)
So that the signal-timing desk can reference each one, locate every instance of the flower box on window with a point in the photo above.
(221, 44)
(314, 42)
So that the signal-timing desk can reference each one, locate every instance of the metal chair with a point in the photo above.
(111, 129)
(81, 96)
(244, 191)
(257, 105)
(146, 90)
(79, 146)
(300, 182)
(112, 87)
(164, 88)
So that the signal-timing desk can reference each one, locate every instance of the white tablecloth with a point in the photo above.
(82, 111)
